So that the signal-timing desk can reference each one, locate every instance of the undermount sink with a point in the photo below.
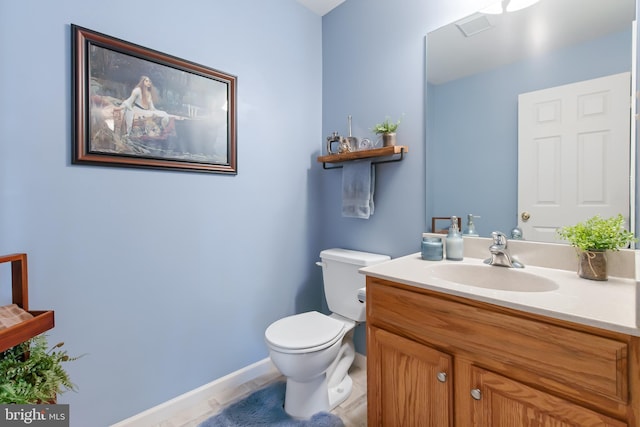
(491, 277)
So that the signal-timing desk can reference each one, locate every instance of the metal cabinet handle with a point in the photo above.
(476, 394)
(442, 377)
(525, 216)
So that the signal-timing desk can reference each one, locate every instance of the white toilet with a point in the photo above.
(315, 351)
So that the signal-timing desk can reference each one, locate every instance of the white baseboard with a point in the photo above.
(170, 408)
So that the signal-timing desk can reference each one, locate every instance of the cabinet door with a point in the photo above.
(409, 384)
(501, 402)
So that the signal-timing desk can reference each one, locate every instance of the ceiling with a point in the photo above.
(545, 26)
(321, 7)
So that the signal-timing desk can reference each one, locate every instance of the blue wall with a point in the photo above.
(167, 280)
(374, 67)
(478, 160)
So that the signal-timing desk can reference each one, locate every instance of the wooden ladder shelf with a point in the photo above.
(40, 322)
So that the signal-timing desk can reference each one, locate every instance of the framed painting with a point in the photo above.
(137, 107)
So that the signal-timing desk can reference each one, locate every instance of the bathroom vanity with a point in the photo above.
(442, 353)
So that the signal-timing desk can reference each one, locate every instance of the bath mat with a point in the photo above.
(265, 407)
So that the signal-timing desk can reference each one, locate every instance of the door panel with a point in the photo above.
(506, 403)
(407, 387)
(573, 154)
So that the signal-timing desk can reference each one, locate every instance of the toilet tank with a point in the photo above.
(342, 280)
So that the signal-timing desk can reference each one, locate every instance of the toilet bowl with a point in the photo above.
(308, 349)
(314, 351)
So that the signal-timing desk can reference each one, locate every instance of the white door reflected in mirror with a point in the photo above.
(573, 154)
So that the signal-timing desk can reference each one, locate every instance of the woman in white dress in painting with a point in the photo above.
(140, 103)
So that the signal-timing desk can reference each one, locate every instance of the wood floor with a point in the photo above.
(352, 411)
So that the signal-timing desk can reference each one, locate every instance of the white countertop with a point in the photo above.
(611, 305)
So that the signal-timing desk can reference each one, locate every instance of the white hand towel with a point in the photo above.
(358, 183)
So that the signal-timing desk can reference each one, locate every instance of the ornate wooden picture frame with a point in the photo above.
(136, 107)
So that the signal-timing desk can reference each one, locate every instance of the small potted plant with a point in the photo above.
(33, 374)
(388, 131)
(592, 239)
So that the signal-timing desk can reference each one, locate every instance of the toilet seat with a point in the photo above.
(304, 333)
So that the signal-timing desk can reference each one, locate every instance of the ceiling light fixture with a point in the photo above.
(508, 6)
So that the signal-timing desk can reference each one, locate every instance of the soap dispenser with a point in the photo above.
(471, 228)
(454, 242)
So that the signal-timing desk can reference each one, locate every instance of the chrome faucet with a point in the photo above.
(499, 254)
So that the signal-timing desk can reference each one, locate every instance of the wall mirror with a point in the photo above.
(481, 72)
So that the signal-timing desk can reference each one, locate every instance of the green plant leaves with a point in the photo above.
(386, 127)
(30, 373)
(597, 233)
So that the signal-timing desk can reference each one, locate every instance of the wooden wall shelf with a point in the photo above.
(365, 154)
(42, 320)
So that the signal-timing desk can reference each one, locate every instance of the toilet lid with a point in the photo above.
(306, 330)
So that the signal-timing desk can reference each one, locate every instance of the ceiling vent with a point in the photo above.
(474, 24)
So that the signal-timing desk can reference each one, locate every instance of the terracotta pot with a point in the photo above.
(593, 265)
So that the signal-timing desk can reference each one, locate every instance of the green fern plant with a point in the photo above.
(599, 234)
(31, 373)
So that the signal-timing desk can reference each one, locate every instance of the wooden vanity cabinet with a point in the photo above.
(440, 360)
(414, 388)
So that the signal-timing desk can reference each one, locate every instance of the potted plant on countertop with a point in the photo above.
(388, 131)
(592, 239)
(32, 374)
